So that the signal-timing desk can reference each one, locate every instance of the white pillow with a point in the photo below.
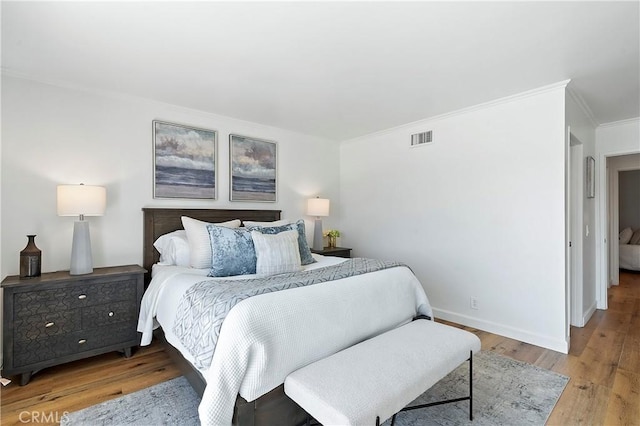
(248, 223)
(173, 248)
(276, 254)
(625, 235)
(199, 243)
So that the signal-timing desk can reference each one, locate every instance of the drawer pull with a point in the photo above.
(82, 296)
(111, 313)
(82, 341)
(49, 324)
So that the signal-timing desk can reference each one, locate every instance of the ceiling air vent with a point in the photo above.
(418, 139)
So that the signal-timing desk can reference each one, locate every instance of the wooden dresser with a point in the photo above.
(57, 317)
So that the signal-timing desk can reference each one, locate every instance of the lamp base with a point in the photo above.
(317, 235)
(81, 259)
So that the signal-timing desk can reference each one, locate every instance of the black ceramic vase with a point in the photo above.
(30, 259)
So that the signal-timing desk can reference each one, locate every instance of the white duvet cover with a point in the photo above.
(266, 337)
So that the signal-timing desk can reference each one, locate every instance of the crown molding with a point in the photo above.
(582, 105)
(112, 94)
(635, 120)
(467, 110)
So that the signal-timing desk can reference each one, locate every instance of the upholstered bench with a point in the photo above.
(372, 381)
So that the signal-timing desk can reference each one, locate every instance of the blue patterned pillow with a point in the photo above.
(233, 252)
(306, 257)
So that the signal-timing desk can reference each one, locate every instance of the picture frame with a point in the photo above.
(184, 161)
(590, 181)
(252, 169)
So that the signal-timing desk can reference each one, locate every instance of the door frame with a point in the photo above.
(575, 227)
(602, 224)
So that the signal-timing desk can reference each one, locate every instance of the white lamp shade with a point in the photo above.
(318, 207)
(76, 200)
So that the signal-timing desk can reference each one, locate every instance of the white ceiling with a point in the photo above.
(332, 69)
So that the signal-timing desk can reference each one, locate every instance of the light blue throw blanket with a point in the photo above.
(206, 304)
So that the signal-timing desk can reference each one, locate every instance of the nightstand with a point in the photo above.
(333, 251)
(58, 317)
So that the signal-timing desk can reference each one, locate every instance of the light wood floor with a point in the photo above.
(604, 366)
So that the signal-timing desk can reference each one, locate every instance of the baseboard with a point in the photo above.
(503, 330)
(587, 315)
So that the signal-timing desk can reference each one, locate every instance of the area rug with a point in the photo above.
(505, 392)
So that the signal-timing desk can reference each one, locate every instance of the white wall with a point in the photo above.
(478, 213)
(583, 128)
(1, 238)
(55, 135)
(612, 139)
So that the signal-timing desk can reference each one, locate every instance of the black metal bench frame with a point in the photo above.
(446, 401)
(431, 404)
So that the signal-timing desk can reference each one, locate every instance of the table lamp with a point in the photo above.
(81, 200)
(317, 207)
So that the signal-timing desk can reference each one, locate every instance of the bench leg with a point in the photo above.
(449, 401)
(471, 385)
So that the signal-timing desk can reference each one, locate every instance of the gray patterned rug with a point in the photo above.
(505, 392)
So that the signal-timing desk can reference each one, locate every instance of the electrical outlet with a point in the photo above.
(473, 302)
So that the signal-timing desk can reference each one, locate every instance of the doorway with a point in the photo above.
(606, 236)
(615, 166)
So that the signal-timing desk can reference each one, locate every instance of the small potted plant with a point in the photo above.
(332, 235)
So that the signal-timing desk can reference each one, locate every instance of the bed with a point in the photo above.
(629, 249)
(630, 257)
(266, 337)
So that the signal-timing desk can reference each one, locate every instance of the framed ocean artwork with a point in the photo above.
(184, 161)
(253, 169)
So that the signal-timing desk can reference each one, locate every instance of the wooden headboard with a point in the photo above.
(159, 221)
